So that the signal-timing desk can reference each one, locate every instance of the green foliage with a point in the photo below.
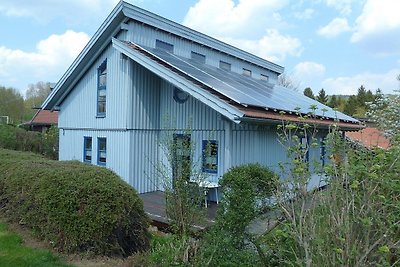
(13, 253)
(322, 97)
(354, 222)
(74, 206)
(11, 104)
(244, 191)
(16, 138)
(308, 92)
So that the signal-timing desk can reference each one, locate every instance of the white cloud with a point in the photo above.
(51, 58)
(227, 18)
(46, 10)
(305, 14)
(334, 28)
(343, 6)
(348, 85)
(308, 72)
(272, 46)
(242, 24)
(378, 27)
(309, 69)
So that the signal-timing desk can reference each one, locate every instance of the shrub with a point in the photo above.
(15, 138)
(245, 188)
(74, 206)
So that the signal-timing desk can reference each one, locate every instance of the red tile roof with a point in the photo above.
(369, 137)
(45, 117)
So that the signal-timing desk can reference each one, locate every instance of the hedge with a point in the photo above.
(75, 206)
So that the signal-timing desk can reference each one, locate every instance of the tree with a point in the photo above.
(384, 111)
(333, 102)
(309, 93)
(287, 82)
(322, 97)
(11, 104)
(351, 105)
(34, 97)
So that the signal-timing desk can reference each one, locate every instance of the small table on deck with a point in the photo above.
(206, 185)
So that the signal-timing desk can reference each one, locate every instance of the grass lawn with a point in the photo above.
(14, 253)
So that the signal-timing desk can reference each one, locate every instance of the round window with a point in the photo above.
(180, 96)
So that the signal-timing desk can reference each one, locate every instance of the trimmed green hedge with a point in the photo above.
(75, 206)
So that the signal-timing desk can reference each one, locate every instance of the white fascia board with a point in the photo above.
(111, 19)
(180, 82)
(159, 22)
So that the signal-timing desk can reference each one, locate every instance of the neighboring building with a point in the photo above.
(42, 120)
(370, 137)
(142, 77)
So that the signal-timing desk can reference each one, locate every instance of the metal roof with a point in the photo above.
(244, 93)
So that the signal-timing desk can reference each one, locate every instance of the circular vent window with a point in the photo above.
(180, 96)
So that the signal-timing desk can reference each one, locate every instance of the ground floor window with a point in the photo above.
(210, 156)
(182, 160)
(102, 151)
(87, 149)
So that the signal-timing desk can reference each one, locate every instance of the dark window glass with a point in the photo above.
(198, 57)
(87, 150)
(225, 65)
(182, 151)
(210, 156)
(164, 46)
(102, 151)
(102, 89)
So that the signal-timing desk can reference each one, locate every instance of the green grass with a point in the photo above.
(13, 253)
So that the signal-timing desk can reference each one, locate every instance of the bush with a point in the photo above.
(15, 138)
(245, 188)
(74, 206)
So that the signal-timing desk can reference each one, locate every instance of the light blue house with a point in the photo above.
(140, 70)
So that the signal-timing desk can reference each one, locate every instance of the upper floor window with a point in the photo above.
(198, 57)
(225, 65)
(102, 89)
(101, 151)
(246, 72)
(87, 149)
(264, 77)
(210, 156)
(164, 46)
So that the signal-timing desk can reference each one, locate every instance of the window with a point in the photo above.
(102, 89)
(198, 57)
(164, 46)
(101, 151)
(246, 72)
(322, 151)
(225, 65)
(264, 77)
(210, 156)
(305, 148)
(182, 162)
(87, 149)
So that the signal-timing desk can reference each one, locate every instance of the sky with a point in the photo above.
(337, 45)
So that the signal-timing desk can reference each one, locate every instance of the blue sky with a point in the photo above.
(332, 44)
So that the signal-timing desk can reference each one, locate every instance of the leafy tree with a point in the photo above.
(322, 97)
(11, 104)
(308, 92)
(34, 97)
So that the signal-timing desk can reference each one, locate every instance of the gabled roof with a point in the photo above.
(44, 117)
(114, 23)
(236, 96)
(369, 137)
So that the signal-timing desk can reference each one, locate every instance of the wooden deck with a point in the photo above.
(154, 206)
